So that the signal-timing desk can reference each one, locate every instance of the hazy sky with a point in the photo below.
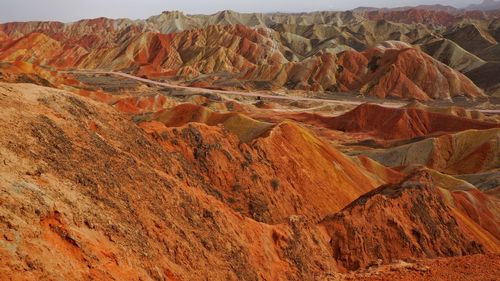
(71, 10)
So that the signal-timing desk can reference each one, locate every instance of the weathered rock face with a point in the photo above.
(402, 123)
(486, 77)
(84, 185)
(256, 180)
(87, 33)
(87, 195)
(476, 212)
(411, 215)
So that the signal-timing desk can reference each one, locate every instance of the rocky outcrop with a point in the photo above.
(83, 185)
(396, 69)
(411, 215)
(254, 177)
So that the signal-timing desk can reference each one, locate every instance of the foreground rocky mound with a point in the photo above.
(475, 210)
(411, 215)
(88, 195)
(273, 176)
(83, 185)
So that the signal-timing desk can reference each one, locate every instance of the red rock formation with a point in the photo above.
(25, 72)
(142, 104)
(14, 29)
(242, 57)
(477, 213)
(242, 126)
(35, 48)
(258, 181)
(87, 195)
(395, 69)
(187, 192)
(480, 208)
(392, 123)
(411, 215)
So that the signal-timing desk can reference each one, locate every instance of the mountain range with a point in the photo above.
(274, 51)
